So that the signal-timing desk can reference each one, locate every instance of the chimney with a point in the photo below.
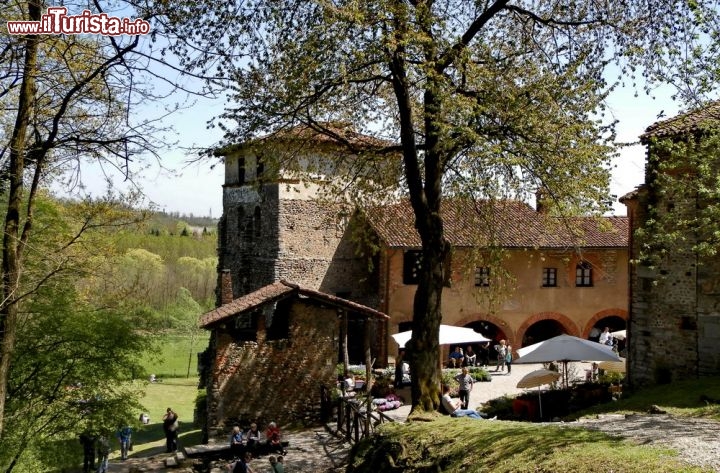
(226, 289)
(540, 201)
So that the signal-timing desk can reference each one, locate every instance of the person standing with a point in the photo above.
(103, 452)
(485, 354)
(466, 384)
(508, 357)
(170, 427)
(87, 441)
(501, 350)
(398, 369)
(125, 438)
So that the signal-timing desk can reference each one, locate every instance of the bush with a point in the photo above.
(502, 407)
(479, 374)
(448, 377)
(611, 377)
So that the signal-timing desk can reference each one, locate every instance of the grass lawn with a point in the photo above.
(455, 445)
(439, 443)
(175, 352)
(177, 393)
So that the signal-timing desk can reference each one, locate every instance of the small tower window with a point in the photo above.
(412, 264)
(241, 170)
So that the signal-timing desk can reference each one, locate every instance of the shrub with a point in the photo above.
(448, 377)
(502, 407)
(479, 374)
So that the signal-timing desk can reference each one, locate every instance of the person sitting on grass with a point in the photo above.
(454, 406)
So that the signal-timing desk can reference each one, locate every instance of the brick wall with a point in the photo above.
(275, 380)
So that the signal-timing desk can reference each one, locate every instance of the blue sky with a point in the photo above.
(197, 188)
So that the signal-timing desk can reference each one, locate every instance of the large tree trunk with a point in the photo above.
(11, 242)
(424, 362)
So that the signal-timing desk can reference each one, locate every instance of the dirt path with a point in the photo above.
(696, 440)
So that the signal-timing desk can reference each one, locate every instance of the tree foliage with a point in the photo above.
(478, 100)
(68, 100)
(75, 354)
(684, 197)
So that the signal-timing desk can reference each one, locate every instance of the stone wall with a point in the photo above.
(674, 311)
(265, 235)
(276, 380)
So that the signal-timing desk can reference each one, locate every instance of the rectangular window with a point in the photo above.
(412, 264)
(549, 277)
(241, 170)
(482, 276)
(583, 275)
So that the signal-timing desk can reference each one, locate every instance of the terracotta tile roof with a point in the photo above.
(510, 224)
(274, 292)
(685, 122)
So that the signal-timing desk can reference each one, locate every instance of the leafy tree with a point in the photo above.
(479, 99)
(75, 351)
(683, 199)
(67, 98)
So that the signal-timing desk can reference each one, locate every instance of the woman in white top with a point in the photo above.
(606, 337)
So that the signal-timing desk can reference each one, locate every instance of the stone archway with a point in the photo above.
(501, 329)
(603, 314)
(564, 322)
(492, 327)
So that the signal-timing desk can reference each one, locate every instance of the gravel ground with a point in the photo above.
(696, 440)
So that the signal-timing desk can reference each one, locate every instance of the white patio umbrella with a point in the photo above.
(619, 334)
(449, 334)
(565, 348)
(538, 378)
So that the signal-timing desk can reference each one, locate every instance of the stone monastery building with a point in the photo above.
(553, 278)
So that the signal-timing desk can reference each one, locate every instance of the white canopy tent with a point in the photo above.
(449, 335)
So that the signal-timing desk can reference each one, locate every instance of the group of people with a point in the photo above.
(605, 338)
(254, 442)
(96, 449)
(459, 358)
